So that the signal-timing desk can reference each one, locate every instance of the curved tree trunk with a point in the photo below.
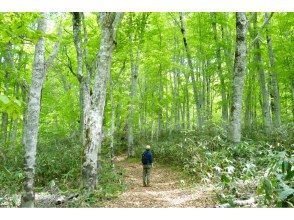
(108, 22)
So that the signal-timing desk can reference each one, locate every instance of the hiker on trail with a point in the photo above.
(147, 160)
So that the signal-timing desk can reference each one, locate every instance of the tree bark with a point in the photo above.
(238, 80)
(31, 126)
(267, 121)
(112, 128)
(292, 94)
(9, 64)
(274, 86)
(76, 21)
(194, 86)
(108, 22)
(219, 69)
(83, 78)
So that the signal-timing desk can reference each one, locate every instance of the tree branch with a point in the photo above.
(55, 50)
(69, 65)
(262, 26)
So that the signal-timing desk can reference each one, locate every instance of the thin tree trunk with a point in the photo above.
(31, 126)
(219, 69)
(238, 81)
(135, 58)
(249, 100)
(84, 79)
(76, 21)
(108, 22)
(262, 81)
(194, 86)
(112, 128)
(292, 93)
(274, 86)
(160, 102)
(8, 74)
(113, 119)
(160, 90)
(14, 122)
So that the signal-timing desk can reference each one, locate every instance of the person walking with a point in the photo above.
(147, 162)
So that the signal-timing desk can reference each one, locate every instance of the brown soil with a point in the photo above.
(168, 189)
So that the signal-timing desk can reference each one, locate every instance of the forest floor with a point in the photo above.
(169, 188)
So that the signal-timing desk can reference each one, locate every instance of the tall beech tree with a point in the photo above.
(31, 125)
(109, 23)
(238, 80)
(157, 78)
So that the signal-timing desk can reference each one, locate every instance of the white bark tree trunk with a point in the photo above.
(84, 79)
(238, 81)
(108, 22)
(31, 126)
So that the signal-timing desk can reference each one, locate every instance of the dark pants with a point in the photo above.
(146, 174)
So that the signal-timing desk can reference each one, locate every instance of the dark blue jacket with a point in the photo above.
(147, 157)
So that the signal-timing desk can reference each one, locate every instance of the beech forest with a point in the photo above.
(83, 94)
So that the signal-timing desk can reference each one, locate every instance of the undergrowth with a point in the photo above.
(259, 166)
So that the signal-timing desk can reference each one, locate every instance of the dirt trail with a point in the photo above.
(167, 190)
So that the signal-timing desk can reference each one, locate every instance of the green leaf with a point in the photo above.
(267, 185)
(4, 99)
(225, 179)
(285, 193)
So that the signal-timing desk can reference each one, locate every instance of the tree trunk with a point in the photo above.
(135, 58)
(14, 121)
(249, 100)
(4, 127)
(160, 91)
(31, 125)
(238, 81)
(194, 86)
(219, 69)
(84, 79)
(8, 74)
(108, 23)
(112, 128)
(262, 81)
(274, 86)
(292, 94)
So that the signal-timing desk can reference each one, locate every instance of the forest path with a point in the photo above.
(167, 189)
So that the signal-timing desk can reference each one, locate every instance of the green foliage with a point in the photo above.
(277, 188)
(11, 105)
(164, 92)
(237, 169)
(110, 186)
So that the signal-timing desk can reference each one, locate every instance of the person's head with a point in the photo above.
(147, 147)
